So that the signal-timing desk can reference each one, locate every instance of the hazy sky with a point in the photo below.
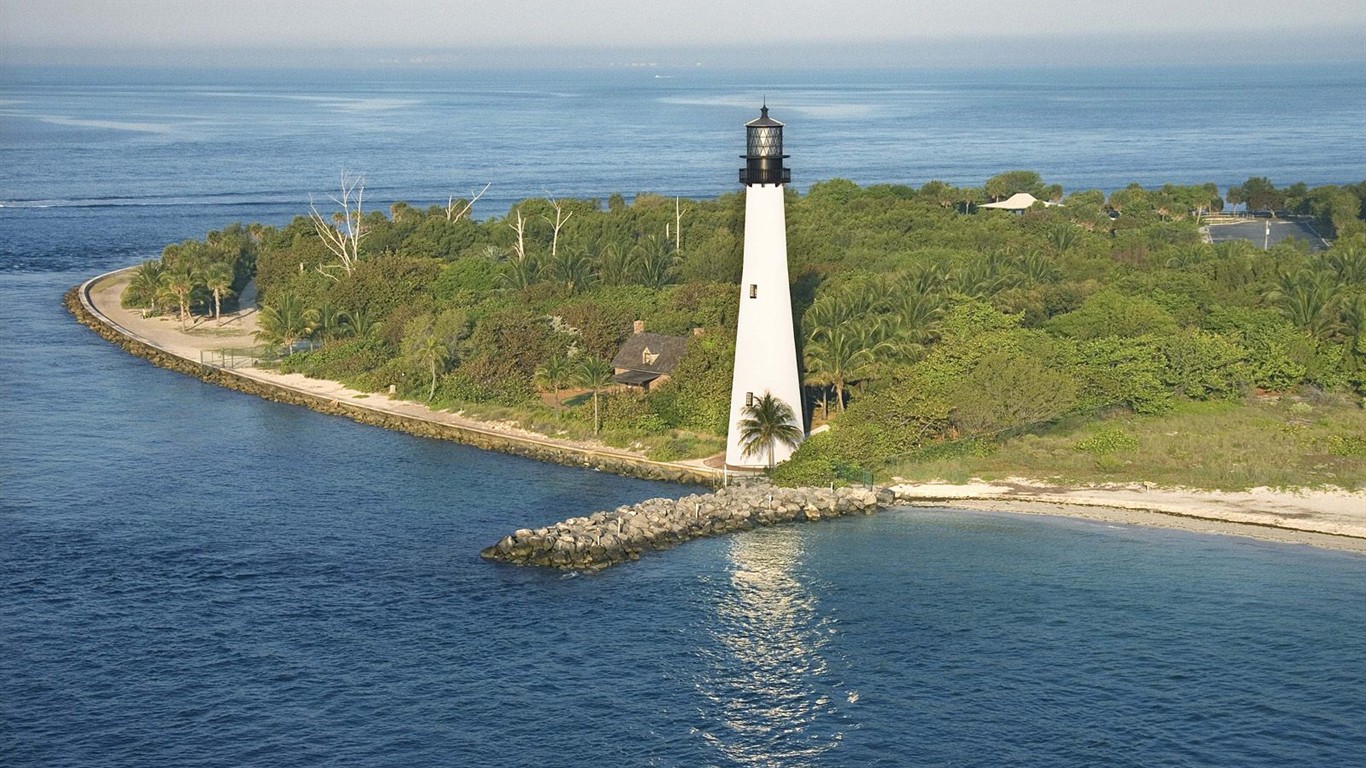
(430, 30)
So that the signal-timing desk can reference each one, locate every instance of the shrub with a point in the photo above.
(1108, 441)
(1345, 445)
(821, 459)
(630, 411)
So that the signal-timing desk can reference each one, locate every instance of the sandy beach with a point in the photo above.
(1324, 518)
(1332, 519)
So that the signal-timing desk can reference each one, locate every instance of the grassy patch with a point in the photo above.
(1288, 443)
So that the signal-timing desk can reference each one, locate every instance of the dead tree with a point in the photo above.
(342, 235)
(519, 247)
(459, 209)
(678, 226)
(561, 218)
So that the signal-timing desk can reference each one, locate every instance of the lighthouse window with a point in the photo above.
(765, 142)
(753, 290)
(749, 399)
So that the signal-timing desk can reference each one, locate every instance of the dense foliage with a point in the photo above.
(926, 325)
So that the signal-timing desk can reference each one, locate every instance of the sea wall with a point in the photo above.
(77, 303)
(604, 539)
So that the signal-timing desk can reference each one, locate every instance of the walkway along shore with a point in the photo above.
(1331, 519)
(96, 312)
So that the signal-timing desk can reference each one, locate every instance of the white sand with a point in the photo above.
(1335, 519)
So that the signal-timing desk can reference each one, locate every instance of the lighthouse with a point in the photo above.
(765, 343)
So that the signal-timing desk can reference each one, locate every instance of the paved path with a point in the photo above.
(194, 339)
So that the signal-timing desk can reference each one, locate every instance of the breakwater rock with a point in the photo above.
(603, 539)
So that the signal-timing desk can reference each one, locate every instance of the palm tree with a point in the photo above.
(1353, 324)
(614, 265)
(1035, 267)
(434, 353)
(917, 314)
(519, 273)
(765, 423)
(284, 322)
(574, 269)
(218, 279)
(1349, 262)
(330, 322)
(553, 373)
(146, 282)
(1062, 236)
(361, 324)
(594, 374)
(1308, 301)
(654, 262)
(180, 281)
(840, 355)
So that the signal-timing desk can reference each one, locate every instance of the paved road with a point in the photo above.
(1255, 231)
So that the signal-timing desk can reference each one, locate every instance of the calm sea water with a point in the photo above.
(189, 576)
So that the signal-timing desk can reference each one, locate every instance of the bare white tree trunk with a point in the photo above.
(519, 247)
(560, 219)
(342, 235)
(459, 209)
(678, 227)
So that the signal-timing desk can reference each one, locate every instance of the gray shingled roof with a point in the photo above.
(663, 353)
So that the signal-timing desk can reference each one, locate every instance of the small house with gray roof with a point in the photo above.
(647, 358)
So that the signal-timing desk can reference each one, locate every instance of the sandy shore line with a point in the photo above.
(1329, 519)
(186, 348)
(1333, 519)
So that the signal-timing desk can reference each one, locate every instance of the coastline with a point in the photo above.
(1328, 519)
(95, 304)
(1325, 519)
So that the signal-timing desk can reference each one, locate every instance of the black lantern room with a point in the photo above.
(764, 152)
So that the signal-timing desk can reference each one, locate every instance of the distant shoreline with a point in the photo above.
(1327, 519)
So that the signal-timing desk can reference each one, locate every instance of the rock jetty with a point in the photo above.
(604, 539)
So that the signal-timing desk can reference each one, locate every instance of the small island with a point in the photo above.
(1100, 341)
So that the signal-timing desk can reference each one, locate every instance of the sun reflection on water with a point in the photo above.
(767, 687)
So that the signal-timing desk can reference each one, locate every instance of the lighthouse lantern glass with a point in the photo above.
(765, 141)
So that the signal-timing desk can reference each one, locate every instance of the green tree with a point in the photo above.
(1308, 300)
(655, 263)
(765, 423)
(614, 265)
(218, 279)
(330, 323)
(553, 374)
(1259, 194)
(1008, 389)
(841, 355)
(284, 322)
(180, 281)
(1003, 185)
(435, 354)
(594, 374)
(573, 269)
(362, 324)
(422, 344)
(145, 285)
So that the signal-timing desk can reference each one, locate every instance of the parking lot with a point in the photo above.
(1264, 233)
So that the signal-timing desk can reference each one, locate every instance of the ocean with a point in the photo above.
(194, 577)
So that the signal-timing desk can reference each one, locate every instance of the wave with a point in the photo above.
(78, 122)
(344, 103)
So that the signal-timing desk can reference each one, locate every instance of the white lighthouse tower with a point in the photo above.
(765, 344)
